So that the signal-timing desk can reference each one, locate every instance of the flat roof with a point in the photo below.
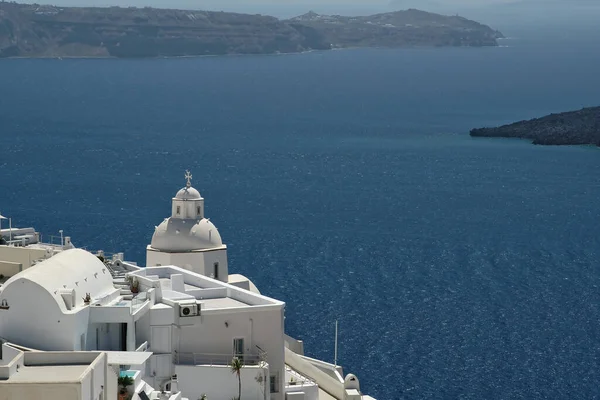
(223, 302)
(48, 374)
(127, 357)
(208, 304)
(215, 294)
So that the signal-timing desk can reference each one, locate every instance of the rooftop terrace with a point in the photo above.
(177, 284)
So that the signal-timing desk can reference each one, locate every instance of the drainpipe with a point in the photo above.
(251, 334)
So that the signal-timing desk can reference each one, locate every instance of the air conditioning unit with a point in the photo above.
(188, 310)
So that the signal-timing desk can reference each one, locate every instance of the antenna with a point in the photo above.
(336, 342)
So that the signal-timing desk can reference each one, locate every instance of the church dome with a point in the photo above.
(182, 235)
(188, 193)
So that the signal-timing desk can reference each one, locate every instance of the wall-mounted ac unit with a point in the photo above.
(188, 310)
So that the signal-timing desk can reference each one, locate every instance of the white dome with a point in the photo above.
(70, 269)
(181, 235)
(188, 193)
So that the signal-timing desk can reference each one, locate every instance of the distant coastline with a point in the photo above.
(40, 31)
(580, 127)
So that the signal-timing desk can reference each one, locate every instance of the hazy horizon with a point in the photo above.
(485, 11)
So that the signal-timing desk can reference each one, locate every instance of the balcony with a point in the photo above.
(217, 359)
(108, 310)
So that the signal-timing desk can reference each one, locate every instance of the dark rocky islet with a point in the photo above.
(581, 127)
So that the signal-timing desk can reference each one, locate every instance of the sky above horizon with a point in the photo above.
(277, 4)
(487, 11)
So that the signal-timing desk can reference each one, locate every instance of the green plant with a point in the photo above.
(236, 368)
(87, 298)
(124, 381)
(203, 397)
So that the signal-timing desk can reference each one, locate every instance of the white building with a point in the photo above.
(188, 239)
(24, 248)
(52, 375)
(174, 326)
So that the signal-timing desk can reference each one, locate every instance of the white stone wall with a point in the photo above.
(54, 391)
(142, 329)
(91, 385)
(216, 333)
(188, 209)
(219, 383)
(21, 255)
(34, 311)
(201, 262)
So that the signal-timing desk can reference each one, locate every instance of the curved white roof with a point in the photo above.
(182, 235)
(70, 269)
(188, 193)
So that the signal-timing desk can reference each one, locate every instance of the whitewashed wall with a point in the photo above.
(34, 311)
(263, 328)
(56, 391)
(219, 383)
(201, 262)
(21, 255)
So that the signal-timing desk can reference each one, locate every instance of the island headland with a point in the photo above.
(580, 127)
(31, 30)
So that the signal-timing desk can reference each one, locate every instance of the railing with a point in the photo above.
(215, 359)
(143, 347)
(138, 301)
(297, 379)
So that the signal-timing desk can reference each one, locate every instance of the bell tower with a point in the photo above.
(188, 203)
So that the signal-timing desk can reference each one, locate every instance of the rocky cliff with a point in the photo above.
(45, 31)
(399, 29)
(569, 128)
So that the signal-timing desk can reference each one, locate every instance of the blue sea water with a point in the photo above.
(346, 184)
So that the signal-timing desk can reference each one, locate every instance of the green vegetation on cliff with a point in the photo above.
(30, 30)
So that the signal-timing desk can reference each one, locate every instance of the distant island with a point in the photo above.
(569, 128)
(31, 30)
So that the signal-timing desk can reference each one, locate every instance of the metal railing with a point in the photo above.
(298, 379)
(216, 359)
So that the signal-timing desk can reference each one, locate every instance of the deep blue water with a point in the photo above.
(346, 184)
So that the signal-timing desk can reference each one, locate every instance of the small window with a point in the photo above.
(178, 210)
(274, 384)
(216, 270)
(238, 348)
(198, 210)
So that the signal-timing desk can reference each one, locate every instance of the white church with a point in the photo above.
(77, 325)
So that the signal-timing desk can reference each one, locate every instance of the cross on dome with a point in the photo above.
(188, 176)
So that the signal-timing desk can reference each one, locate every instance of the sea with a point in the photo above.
(346, 184)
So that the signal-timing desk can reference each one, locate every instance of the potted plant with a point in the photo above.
(123, 382)
(87, 299)
(292, 380)
(134, 285)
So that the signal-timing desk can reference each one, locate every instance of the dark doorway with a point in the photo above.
(123, 337)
